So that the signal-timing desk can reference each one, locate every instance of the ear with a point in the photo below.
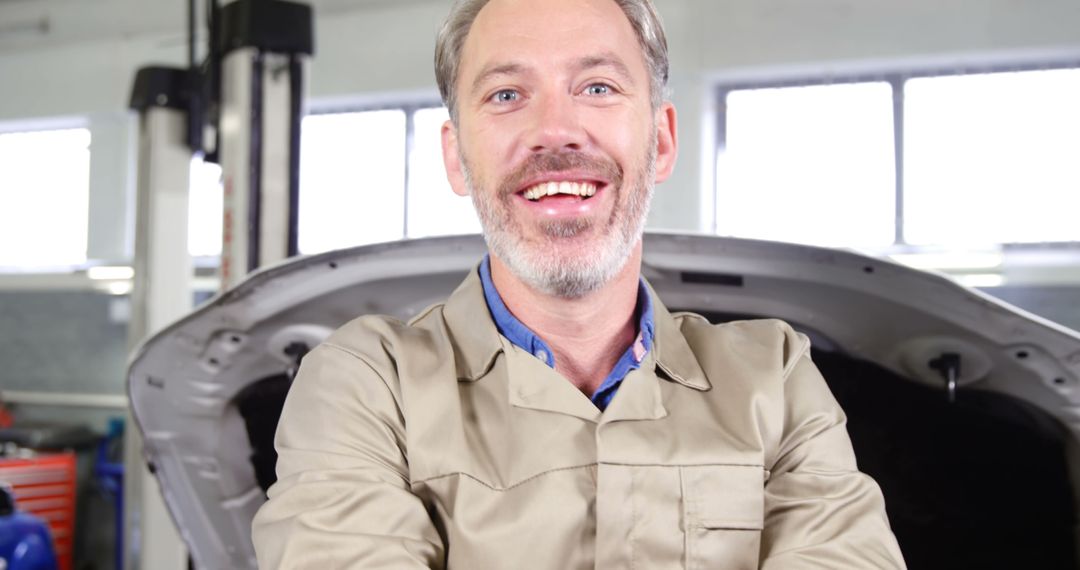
(451, 156)
(667, 141)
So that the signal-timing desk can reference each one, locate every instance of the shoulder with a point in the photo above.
(768, 344)
(374, 338)
(378, 345)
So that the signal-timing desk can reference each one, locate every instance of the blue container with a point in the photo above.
(25, 543)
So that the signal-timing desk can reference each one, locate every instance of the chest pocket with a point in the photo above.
(723, 513)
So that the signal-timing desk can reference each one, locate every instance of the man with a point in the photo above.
(552, 413)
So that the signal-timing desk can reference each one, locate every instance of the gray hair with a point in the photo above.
(641, 13)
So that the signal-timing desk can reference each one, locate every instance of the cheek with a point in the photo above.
(497, 133)
(622, 133)
(492, 151)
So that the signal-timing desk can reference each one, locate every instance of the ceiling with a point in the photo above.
(43, 24)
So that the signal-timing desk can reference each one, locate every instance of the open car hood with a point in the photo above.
(191, 384)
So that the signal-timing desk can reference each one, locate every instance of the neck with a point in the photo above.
(588, 334)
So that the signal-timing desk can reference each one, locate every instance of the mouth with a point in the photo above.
(575, 189)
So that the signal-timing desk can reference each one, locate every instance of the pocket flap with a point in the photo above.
(724, 496)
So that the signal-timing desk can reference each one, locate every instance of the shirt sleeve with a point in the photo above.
(343, 498)
(820, 511)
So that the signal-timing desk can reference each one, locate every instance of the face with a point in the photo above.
(557, 140)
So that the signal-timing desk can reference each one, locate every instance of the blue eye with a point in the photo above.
(598, 89)
(505, 96)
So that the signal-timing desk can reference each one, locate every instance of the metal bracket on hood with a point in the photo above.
(296, 350)
(948, 364)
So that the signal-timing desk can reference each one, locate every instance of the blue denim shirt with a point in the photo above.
(521, 336)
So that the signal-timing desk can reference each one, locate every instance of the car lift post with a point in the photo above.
(162, 293)
(249, 99)
(265, 46)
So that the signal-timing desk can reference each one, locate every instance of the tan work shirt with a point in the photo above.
(438, 444)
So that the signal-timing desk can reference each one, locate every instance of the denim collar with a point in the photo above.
(524, 338)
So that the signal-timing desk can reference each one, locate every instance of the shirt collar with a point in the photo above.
(507, 324)
(524, 338)
(476, 341)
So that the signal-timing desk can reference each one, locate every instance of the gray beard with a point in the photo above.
(541, 265)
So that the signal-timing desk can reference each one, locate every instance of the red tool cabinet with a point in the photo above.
(44, 486)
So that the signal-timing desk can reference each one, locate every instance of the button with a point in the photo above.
(542, 355)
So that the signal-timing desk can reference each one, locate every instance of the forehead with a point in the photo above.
(543, 32)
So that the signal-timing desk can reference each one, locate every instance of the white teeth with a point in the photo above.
(542, 189)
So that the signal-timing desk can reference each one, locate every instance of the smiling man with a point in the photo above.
(552, 413)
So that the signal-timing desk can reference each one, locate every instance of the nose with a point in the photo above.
(556, 125)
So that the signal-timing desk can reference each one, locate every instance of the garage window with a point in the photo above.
(206, 204)
(352, 179)
(992, 158)
(44, 192)
(433, 208)
(365, 177)
(903, 162)
(809, 164)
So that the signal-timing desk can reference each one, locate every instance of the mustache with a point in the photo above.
(549, 163)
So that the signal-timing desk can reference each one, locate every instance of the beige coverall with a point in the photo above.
(438, 444)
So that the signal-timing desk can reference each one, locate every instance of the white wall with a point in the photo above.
(371, 50)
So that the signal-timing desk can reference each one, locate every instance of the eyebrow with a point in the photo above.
(606, 59)
(494, 70)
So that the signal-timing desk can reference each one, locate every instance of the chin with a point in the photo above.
(571, 269)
